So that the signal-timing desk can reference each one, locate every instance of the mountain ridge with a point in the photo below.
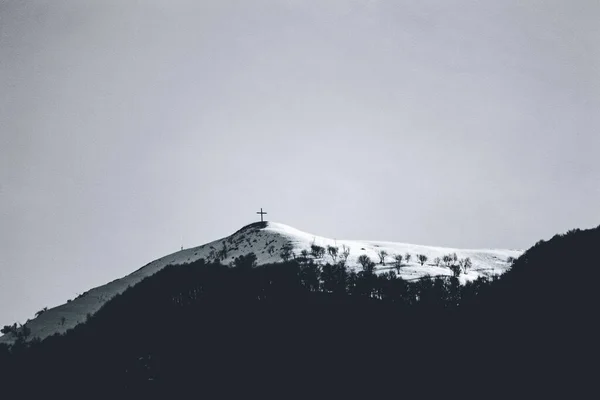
(265, 240)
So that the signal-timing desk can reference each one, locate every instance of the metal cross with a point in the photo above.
(261, 214)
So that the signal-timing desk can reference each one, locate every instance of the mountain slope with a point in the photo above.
(266, 241)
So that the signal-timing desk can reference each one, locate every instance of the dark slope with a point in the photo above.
(211, 330)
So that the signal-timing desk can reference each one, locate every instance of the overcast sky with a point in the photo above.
(130, 128)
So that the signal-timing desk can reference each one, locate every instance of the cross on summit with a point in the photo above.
(261, 214)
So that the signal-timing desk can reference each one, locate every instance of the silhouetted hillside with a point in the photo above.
(273, 243)
(286, 328)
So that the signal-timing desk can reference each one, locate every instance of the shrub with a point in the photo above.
(286, 251)
(245, 261)
(9, 329)
(43, 310)
(222, 254)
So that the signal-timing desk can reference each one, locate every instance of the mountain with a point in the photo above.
(266, 241)
(310, 328)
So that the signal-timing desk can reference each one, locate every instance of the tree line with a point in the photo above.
(337, 256)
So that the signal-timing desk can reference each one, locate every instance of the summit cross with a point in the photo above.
(261, 214)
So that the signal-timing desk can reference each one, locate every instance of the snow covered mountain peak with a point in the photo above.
(266, 240)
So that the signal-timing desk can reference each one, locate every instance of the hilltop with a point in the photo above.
(266, 240)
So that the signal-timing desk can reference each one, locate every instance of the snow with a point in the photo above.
(486, 262)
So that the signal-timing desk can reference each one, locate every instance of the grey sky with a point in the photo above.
(128, 128)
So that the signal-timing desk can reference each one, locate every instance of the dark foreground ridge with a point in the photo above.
(302, 329)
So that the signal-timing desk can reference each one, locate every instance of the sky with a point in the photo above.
(131, 128)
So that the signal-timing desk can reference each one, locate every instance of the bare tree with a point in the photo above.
(455, 270)
(345, 254)
(333, 253)
(367, 265)
(398, 262)
(317, 251)
(467, 264)
(447, 260)
(407, 257)
(382, 255)
(437, 261)
(422, 258)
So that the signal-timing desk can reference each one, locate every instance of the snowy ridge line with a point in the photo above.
(266, 240)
